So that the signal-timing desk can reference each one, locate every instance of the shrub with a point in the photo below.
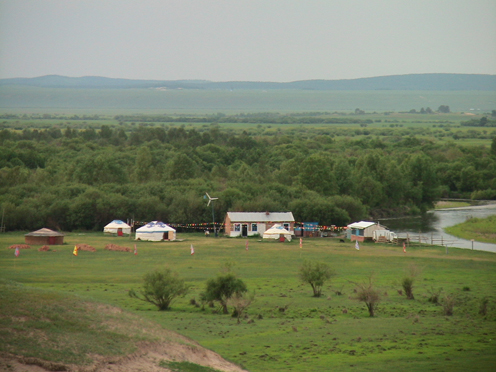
(315, 274)
(483, 306)
(161, 287)
(367, 293)
(222, 288)
(413, 272)
(448, 303)
(434, 295)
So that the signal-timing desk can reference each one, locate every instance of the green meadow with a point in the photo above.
(286, 328)
(479, 229)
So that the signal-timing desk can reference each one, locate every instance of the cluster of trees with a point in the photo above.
(482, 122)
(72, 179)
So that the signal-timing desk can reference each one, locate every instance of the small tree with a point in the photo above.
(160, 288)
(367, 293)
(448, 303)
(240, 302)
(413, 272)
(315, 274)
(222, 288)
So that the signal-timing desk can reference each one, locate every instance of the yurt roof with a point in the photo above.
(44, 232)
(276, 229)
(118, 223)
(155, 226)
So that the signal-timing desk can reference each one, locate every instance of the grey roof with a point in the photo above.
(44, 232)
(261, 216)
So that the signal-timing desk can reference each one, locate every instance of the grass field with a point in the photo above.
(312, 334)
(34, 99)
(480, 229)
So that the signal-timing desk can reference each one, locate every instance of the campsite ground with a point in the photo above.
(286, 327)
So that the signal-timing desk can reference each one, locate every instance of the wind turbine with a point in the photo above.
(210, 199)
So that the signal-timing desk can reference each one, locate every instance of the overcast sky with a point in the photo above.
(267, 40)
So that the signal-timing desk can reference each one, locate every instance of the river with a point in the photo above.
(429, 228)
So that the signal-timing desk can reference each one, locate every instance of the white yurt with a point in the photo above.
(155, 231)
(117, 227)
(276, 232)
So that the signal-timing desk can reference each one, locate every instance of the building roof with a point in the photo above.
(44, 232)
(261, 216)
(361, 225)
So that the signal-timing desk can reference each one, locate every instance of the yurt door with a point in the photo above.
(166, 235)
(119, 231)
(244, 230)
(52, 240)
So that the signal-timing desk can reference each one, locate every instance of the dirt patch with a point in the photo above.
(147, 358)
(115, 247)
(20, 246)
(85, 247)
(45, 248)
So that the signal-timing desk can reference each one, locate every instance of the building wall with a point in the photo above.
(44, 240)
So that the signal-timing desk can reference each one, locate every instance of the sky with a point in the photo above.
(246, 40)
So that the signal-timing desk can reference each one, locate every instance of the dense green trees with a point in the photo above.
(81, 177)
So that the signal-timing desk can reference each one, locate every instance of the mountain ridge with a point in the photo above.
(431, 81)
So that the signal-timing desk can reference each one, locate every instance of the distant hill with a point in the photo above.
(439, 82)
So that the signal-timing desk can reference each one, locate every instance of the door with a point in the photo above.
(166, 235)
(52, 240)
(119, 231)
(244, 230)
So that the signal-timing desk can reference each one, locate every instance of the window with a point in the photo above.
(237, 227)
(286, 226)
(254, 227)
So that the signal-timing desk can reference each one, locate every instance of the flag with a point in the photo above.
(356, 245)
(404, 247)
(246, 245)
(135, 250)
(192, 249)
(301, 243)
(74, 252)
(17, 252)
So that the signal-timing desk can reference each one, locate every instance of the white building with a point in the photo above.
(253, 223)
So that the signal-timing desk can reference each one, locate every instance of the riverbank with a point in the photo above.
(478, 229)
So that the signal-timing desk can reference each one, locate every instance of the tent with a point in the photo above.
(155, 231)
(44, 236)
(276, 232)
(117, 227)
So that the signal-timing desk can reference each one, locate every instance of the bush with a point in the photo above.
(413, 272)
(448, 303)
(222, 288)
(161, 287)
(367, 293)
(315, 274)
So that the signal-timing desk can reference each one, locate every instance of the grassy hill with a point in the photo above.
(57, 331)
(286, 328)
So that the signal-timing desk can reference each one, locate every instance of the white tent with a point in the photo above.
(276, 231)
(155, 231)
(117, 227)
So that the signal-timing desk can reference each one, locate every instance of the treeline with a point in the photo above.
(242, 119)
(81, 179)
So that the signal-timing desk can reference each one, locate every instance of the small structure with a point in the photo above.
(309, 229)
(277, 232)
(118, 228)
(44, 237)
(363, 230)
(155, 231)
(384, 236)
(256, 223)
